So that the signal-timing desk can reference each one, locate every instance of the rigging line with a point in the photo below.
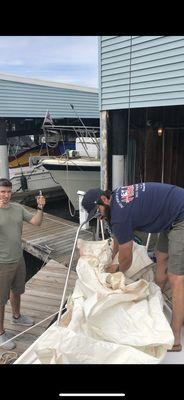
(129, 97)
(81, 139)
(62, 138)
(32, 327)
(94, 139)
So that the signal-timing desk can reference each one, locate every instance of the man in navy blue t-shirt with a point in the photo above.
(154, 208)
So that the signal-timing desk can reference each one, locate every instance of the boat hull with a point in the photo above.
(73, 178)
(36, 180)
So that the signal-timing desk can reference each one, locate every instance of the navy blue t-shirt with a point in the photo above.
(148, 207)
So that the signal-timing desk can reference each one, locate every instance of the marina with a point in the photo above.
(127, 132)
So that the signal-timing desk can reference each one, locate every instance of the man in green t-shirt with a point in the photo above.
(12, 265)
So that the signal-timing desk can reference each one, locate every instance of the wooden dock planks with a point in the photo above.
(51, 242)
(54, 239)
(41, 299)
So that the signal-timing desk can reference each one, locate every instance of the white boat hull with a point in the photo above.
(74, 176)
(36, 180)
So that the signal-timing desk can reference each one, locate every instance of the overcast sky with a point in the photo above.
(66, 59)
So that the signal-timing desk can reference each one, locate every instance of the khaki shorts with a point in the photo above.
(172, 242)
(12, 276)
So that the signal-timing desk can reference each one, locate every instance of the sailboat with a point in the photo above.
(26, 171)
(78, 169)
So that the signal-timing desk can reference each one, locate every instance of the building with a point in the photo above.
(142, 109)
(24, 103)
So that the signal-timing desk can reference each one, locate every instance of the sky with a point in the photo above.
(65, 59)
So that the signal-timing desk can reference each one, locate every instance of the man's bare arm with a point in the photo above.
(115, 247)
(37, 218)
(125, 256)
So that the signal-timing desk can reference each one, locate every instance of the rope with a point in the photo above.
(8, 357)
(129, 95)
(31, 327)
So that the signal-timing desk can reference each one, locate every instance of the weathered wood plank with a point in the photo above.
(41, 299)
(54, 239)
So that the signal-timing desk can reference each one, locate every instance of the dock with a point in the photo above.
(54, 239)
(42, 298)
(52, 243)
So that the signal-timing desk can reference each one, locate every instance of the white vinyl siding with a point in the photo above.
(19, 99)
(152, 74)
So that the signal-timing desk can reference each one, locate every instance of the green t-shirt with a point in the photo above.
(11, 222)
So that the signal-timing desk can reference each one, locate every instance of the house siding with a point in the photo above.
(19, 99)
(141, 71)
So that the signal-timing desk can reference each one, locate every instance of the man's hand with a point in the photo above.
(112, 268)
(3, 204)
(41, 201)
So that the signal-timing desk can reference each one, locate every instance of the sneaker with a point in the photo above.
(23, 320)
(8, 346)
(9, 334)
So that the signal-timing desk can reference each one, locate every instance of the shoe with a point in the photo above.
(8, 346)
(176, 347)
(10, 334)
(23, 320)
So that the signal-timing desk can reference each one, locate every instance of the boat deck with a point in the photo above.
(171, 356)
(41, 299)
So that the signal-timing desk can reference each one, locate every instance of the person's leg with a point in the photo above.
(177, 287)
(2, 308)
(162, 256)
(17, 288)
(15, 304)
(7, 272)
(161, 276)
(176, 277)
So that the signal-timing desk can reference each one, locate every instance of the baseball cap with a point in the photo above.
(90, 201)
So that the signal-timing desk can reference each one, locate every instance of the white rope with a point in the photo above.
(148, 241)
(102, 229)
(8, 357)
(28, 329)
